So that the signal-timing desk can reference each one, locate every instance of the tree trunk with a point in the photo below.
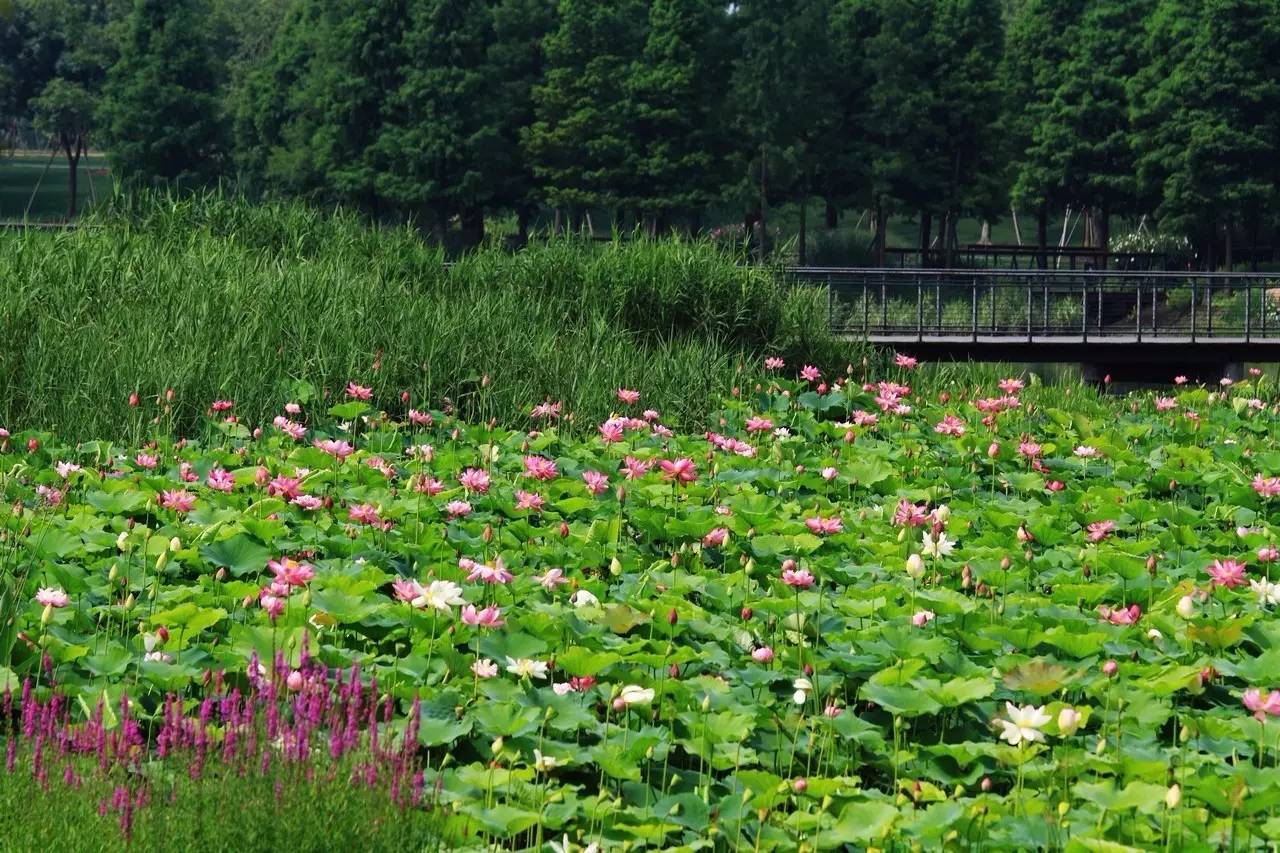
(880, 253)
(949, 240)
(926, 234)
(1104, 236)
(73, 174)
(472, 220)
(1042, 235)
(522, 226)
(764, 204)
(832, 216)
(802, 240)
(1226, 244)
(1017, 232)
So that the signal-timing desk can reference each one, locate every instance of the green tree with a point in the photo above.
(675, 88)
(516, 65)
(161, 116)
(582, 143)
(1215, 116)
(1036, 48)
(441, 131)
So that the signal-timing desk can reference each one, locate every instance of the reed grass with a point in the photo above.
(215, 298)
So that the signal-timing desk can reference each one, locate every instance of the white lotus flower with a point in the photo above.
(583, 598)
(1023, 724)
(1268, 593)
(526, 668)
(442, 595)
(935, 547)
(543, 763)
(634, 694)
(802, 686)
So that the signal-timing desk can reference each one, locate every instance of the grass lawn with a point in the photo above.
(21, 171)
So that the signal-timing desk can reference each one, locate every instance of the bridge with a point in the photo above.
(1139, 326)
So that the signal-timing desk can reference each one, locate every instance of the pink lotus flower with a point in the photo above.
(552, 579)
(1228, 573)
(546, 411)
(922, 617)
(489, 617)
(824, 526)
(528, 500)
(1029, 449)
(634, 469)
(475, 480)
(864, 419)
(680, 471)
(1084, 451)
(51, 496)
(457, 509)
(774, 363)
(52, 597)
(597, 483)
(339, 450)
(809, 373)
(365, 514)
(1055, 485)
(1121, 616)
(1100, 530)
(540, 468)
(222, 406)
(272, 603)
(177, 500)
(1268, 554)
(1262, 703)
(798, 578)
(905, 361)
(359, 392)
(284, 487)
(759, 424)
(611, 431)
(484, 668)
(628, 396)
(950, 425)
(495, 574)
(1179, 380)
(427, 485)
(294, 430)
(1011, 385)
(716, 538)
(908, 514)
(291, 572)
(1267, 487)
(66, 469)
(146, 460)
(407, 590)
(1164, 404)
(307, 502)
(764, 654)
(421, 419)
(220, 481)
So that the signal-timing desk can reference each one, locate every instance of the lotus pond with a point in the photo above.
(854, 614)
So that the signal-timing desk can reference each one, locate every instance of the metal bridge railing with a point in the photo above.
(1031, 305)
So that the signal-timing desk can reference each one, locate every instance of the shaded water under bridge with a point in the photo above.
(1137, 326)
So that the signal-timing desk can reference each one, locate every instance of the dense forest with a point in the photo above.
(650, 113)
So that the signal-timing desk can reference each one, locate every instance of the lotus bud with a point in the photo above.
(1086, 571)
(487, 535)
(706, 702)
(128, 602)
(674, 671)
(47, 614)
(808, 670)
(1004, 564)
(942, 514)
(221, 574)
(993, 449)
(986, 784)
(1063, 808)
(902, 535)
(564, 529)
(1110, 668)
(113, 573)
(800, 785)
(615, 567)
(133, 400)
(915, 566)
(175, 544)
(122, 541)
(1068, 721)
(746, 614)
(1151, 565)
(162, 561)
(1173, 796)
(966, 577)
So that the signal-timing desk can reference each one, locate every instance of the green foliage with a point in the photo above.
(160, 118)
(216, 299)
